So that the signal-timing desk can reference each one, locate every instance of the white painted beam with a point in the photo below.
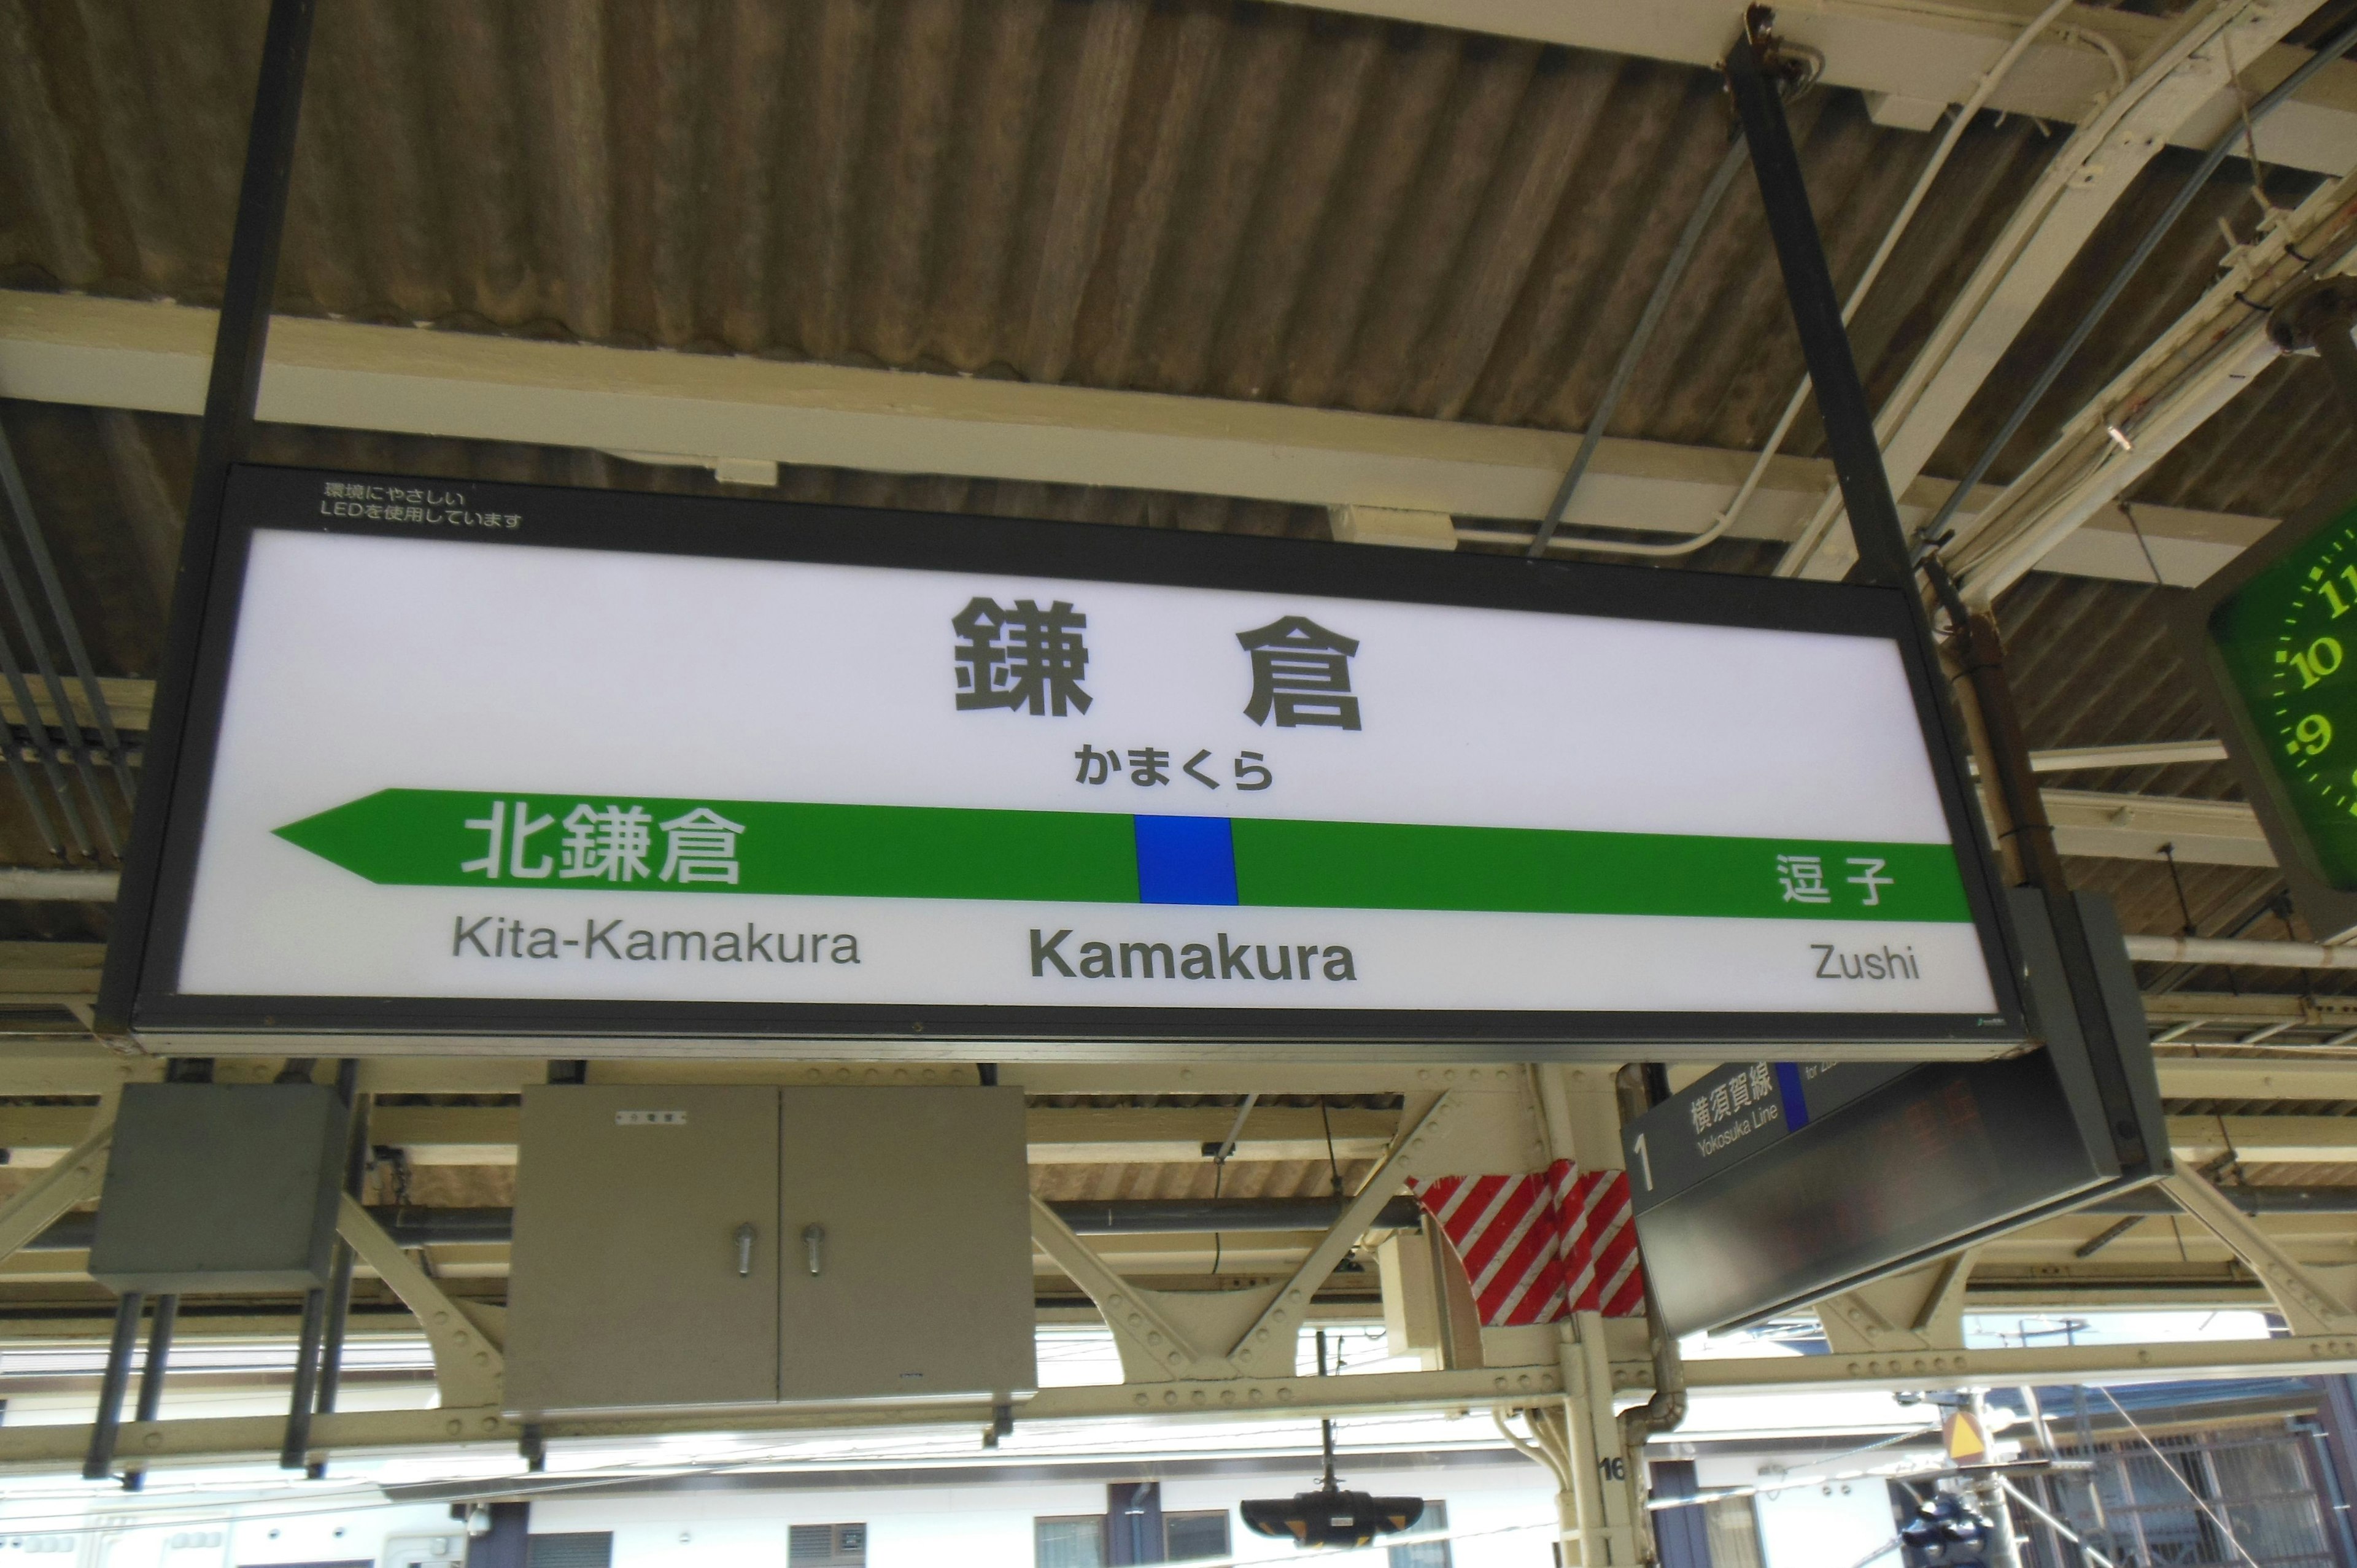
(2248, 1077)
(1919, 55)
(2209, 356)
(58, 885)
(2134, 827)
(737, 415)
(2041, 1364)
(2179, 71)
(2134, 753)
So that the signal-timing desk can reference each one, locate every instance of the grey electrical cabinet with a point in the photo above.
(715, 1246)
(221, 1188)
(644, 1270)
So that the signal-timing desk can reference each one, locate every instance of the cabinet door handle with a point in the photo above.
(812, 1236)
(745, 1250)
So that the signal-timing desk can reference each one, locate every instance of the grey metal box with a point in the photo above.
(221, 1188)
(665, 1239)
(628, 1287)
(922, 1202)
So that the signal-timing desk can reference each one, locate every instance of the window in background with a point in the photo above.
(1733, 1526)
(573, 1548)
(1429, 1553)
(1187, 1537)
(1073, 1542)
(826, 1546)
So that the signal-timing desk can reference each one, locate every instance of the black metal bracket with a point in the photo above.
(225, 438)
(1752, 65)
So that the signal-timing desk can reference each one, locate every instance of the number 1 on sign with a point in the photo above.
(1644, 1161)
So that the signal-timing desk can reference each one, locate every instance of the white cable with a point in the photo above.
(1971, 106)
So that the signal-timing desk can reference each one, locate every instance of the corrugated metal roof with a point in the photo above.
(1208, 197)
(1232, 200)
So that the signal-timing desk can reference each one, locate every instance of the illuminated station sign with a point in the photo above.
(464, 758)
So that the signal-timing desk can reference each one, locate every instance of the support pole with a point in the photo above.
(1816, 311)
(223, 440)
(151, 1375)
(339, 1283)
(2003, 1549)
(1884, 556)
(295, 1453)
(98, 1463)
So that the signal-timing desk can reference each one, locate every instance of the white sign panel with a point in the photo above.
(479, 743)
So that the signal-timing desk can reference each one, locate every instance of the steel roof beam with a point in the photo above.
(2179, 73)
(1913, 60)
(740, 416)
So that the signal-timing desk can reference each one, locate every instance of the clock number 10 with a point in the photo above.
(2322, 657)
(2341, 605)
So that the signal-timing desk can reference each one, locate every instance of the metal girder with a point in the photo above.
(161, 1443)
(1913, 60)
(58, 884)
(470, 1368)
(2209, 356)
(714, 411)
(2312, 1305)
(2281, 1140)
(82, 1066)
(2261, 954)
(1169, 1335)
(88, 1069)
(74, 1179)
(2178, 74)
(2102, 825)
(1921, 1310)
(1497, 1388)
(486, 1135)
(2302, 1356)
(2255, 1077)
(2134, 754)
(129, 702)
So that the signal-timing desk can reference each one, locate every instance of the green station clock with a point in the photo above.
(2278, 635)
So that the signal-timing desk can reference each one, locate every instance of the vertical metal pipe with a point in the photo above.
(24, 781)
(98, 1463)
(21, 605)
(45, 753)
(12, 481)
(339, 1284)
(2325, 1481)
(20, 501)
(295, 1453)
(151, 1374)
(1632, 353)
(239, 340)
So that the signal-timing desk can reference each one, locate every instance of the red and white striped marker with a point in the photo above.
(1538, 1246)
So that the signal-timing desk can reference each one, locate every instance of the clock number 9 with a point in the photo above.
(2322, 657)
(2311, 735)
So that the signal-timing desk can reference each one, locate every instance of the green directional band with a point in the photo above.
(441, 838)
(1390, 865)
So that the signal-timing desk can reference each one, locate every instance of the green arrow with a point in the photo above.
(445, 838)
(420, 838)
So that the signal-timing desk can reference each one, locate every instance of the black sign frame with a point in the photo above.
(263, 497)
